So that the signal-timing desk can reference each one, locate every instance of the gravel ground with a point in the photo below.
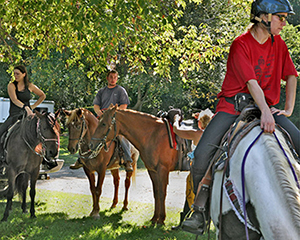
(75, 181)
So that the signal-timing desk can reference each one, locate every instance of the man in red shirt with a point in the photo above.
(258, 60)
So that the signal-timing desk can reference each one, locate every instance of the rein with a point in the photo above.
(102, 141)
(83, 127)
(243, 173)
(80, 139)
(43, 141)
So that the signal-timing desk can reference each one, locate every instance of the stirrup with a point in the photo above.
(199, 230)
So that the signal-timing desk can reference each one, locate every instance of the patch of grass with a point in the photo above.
(66, 216)
(64, 153)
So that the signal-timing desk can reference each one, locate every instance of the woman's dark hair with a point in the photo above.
(23, 70)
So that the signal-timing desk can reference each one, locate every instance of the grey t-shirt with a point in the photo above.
(107, 96)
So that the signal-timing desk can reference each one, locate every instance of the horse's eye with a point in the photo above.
(78, 127)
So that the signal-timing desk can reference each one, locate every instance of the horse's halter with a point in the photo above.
(82, 129)
(43, 140)
(82, 133)
(102, 141)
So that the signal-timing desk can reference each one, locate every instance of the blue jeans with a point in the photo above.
(126, 147)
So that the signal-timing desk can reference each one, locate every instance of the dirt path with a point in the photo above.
(75, 181)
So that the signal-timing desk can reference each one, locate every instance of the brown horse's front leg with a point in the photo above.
(116, 179)
(159, 182)
(155, 183)
(96, 208)
(127, 186)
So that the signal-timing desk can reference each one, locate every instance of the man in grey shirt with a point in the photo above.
(112, 94)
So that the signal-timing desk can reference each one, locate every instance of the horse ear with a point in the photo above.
(67, 112)
(116, 106)
(111, 105)
(38, 114)
(79, 112)
(57, 113)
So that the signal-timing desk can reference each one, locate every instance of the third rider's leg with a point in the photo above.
(204, 153)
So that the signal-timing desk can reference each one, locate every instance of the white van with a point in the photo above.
(46, 105)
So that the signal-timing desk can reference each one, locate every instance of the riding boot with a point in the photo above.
(196, 224)
(51, 163)
(78, 164)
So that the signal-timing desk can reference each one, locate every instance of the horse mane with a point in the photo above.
(73, 117)
(28, 130)
(145, 115)
(282, 170)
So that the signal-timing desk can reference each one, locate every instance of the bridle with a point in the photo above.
(82, 129)
(43, 140)
(102, 141)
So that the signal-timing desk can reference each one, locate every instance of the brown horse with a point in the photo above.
(81, 124)
(149, 135)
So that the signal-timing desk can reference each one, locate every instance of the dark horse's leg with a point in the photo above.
(22, 185)
(10, 194)
(33, 179)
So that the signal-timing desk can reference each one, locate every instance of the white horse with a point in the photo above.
(271, 190)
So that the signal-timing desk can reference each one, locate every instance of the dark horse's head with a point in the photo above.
(41, 134)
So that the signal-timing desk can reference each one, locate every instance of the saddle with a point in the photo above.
(5, 136)
(117, 159)
(248, 119)
(183, 146)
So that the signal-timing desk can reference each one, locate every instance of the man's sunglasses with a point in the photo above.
(282, 18)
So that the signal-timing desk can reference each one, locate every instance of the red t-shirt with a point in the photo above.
(250, 60)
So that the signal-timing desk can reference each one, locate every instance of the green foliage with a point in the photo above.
(167, 53)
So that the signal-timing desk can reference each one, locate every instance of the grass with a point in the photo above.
(65, 216)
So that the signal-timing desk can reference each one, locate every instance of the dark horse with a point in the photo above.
(29, 142)
(149, 135)
(81, 124)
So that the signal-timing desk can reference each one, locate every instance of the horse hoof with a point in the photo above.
(96, 217)
(125, 209)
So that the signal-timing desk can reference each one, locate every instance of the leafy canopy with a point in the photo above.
(135, 32)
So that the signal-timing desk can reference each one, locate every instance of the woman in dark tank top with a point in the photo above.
(19, 92)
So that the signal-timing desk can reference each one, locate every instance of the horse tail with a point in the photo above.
(133, 176)
(22, 183)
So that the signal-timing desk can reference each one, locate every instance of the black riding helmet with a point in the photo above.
(269, 7)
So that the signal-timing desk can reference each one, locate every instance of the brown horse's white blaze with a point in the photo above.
(81, 125)
(149, 135)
